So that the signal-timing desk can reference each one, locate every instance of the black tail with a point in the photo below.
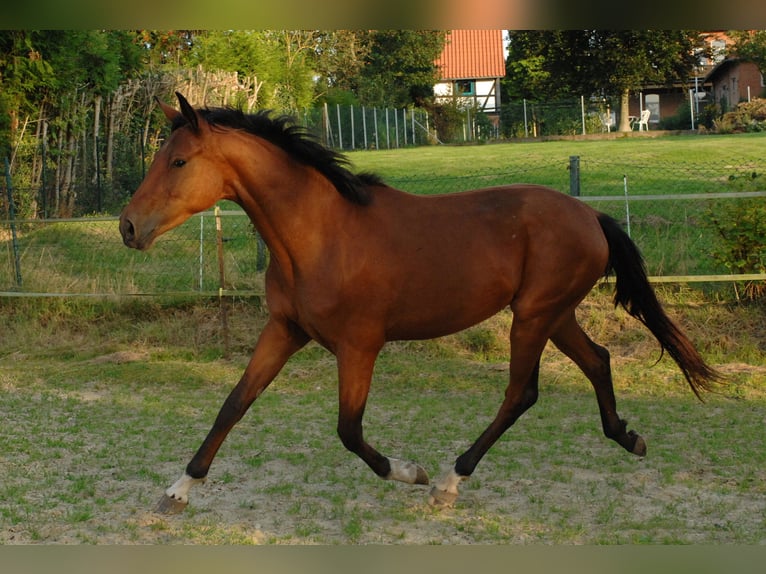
(634, 293)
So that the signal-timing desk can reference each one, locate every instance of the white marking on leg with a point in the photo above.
(405, 471)
(449, 482)
(180, 489)
(444, 492)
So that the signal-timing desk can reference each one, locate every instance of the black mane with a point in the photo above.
(282, 131)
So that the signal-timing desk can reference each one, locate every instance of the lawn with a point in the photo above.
(663, 165)
(675, 234)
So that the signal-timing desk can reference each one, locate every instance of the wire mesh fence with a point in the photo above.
(667, 213)
(349, 127)
(85, 256)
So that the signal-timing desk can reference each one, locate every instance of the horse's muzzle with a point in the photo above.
(128, 232)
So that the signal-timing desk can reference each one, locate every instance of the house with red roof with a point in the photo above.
(471, 67)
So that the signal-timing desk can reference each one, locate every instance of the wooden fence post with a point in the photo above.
(12, 218)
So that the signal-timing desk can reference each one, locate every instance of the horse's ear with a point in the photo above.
(170, 112)
(188, 112)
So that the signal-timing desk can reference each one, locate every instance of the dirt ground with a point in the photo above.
(309, 490)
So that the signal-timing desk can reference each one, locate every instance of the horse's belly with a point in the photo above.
(438, 314)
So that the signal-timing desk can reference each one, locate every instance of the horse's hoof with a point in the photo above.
(169, 505)
(639, 449)
(441, 498)
(422, 476)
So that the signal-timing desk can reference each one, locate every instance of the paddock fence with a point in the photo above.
(219, 253)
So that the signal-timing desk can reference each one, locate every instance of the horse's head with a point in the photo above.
(185, 178)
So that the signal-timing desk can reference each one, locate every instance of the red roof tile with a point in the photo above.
(471, 54)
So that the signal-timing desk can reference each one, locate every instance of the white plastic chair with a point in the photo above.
(643, 120)
(606, 121)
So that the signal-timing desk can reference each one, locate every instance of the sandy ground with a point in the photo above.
(592, 493)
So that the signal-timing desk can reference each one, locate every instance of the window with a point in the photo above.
(718, 49)
(465, 88)
(652, 103)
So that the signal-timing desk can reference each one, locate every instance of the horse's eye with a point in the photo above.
(179, 163)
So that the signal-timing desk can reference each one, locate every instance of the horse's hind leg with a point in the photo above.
(528, 340)
(593, 360)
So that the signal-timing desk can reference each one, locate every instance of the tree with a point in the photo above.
(24, 74)
(54, 80)
(399, 69)
(750, 45)
(280, 61)
(598, 62)
(165, 47)
(340, 58)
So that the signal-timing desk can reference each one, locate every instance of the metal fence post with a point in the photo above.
(201, 247)
(574, 175)
(260, 257)
(224, 306)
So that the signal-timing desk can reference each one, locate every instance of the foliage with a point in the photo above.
(741, 230)
(280, 61)
(165, 47)
(23, 73)
(747, 117)
(78, 116)
(750, 45)
(399, 69)
(596, 62)
(447, 120)
(681, 120)
(482, 125)
(334, 96)
(708, 114)
(51, 82)
(556, 117)
(340, 58)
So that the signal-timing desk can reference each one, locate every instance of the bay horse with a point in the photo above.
(355, 263)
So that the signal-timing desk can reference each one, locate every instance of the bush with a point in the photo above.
(747, 117)
(448, 122)
(741, 231)
(680, 121)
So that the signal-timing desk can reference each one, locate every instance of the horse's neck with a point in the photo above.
(292, 206)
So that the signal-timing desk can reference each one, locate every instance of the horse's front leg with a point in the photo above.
(278, 341)
(355, 375)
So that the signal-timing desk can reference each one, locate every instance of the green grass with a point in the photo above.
(674, 235)
(88, 257)
(664, 165)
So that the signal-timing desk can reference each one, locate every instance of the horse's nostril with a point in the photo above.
(127, 230)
